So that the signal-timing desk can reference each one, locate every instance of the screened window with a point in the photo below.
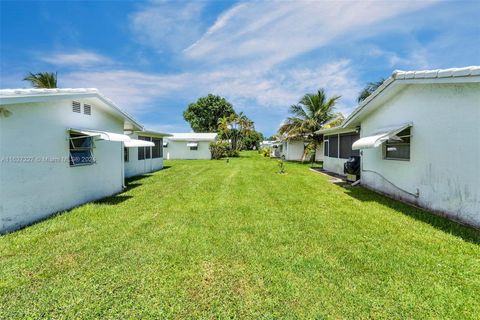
(333, 146)
(81, 150)
(346, 141)
(325, 148)
(144, 152)
(194, 148)
(126, 154)
(157, 151)
(398, 148)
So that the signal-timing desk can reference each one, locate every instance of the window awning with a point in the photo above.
(379, 137)
(138, 143)
(103, 135)
(165, 144)
(192, 144)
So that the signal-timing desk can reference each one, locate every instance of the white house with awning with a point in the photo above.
(145, 153)
(193, 145)
(420, 140)
(59, 148)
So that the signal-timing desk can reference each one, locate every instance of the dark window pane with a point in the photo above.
(141, 150)
(333, 146)
(346, 141)
(325, 148)
(126, 155)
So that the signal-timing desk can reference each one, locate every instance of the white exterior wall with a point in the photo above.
(30, 191)
(293, 150)
(179, 150)
(334, 165)
(444, 164)
(135, 167)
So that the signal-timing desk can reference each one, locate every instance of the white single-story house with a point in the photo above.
(141, 159)
(337, 147)
(59, 148)
(294, 149)
(192, 145)
(420, 140)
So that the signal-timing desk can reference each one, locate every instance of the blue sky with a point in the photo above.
(153, 58)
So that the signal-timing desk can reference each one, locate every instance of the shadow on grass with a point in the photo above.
(441, 223)
(114, 200)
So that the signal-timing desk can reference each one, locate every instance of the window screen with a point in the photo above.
(325, 148)
(398, 148)
(126, 154)
(81, 150)
(346, 141)
(333, 146)
(141, 151)
(157, 151)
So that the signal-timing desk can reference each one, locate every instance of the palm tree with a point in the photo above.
(311, 114)
(45, 80)
(369, 89)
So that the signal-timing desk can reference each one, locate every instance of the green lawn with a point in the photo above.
(211, 239)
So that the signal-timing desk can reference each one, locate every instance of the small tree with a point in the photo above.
(42, 80)
(203, 114)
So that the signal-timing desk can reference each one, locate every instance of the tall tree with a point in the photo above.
(309, 115)
(369, 89)
(203, 115)
(44, 80)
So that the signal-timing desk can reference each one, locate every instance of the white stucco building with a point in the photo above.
(59, 148)
(293, 150)
(144, 159)
(420, 140)
(188, 145)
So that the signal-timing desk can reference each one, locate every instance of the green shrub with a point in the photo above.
(266, 152)
(219, 149)
(233, 153)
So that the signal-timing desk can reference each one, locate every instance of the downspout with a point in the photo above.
(122, 155)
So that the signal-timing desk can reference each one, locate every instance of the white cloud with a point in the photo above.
(77, 59)
(168, 25)
(276, 90)
(271, 32)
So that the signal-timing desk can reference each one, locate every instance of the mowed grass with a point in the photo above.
(211, 239)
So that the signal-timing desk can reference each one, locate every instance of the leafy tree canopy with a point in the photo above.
(43, 80)
(203, 115)
(369, 89)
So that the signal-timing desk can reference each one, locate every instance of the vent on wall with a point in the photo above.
(87, 109)
(76, 107)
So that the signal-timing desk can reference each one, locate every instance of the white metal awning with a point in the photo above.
(192, 144)
(165, 144)
(379, 137)
(103, 135)
(138, 143)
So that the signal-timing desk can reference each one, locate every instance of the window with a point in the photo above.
(346, 141)
(87, 109)
(333, 146)
(157, 151)
(325, 147)
(144, 152)
(398, 147)
(76, 107)
(81, 150)
(126, 155)
(194, 148)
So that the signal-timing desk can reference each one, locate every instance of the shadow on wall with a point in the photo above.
(466, 233)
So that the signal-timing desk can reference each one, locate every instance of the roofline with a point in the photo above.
(336, 130)
(13, 98)
(452, 75)
(152, 133)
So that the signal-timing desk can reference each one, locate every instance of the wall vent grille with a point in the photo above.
(87, 109)
(76, 107)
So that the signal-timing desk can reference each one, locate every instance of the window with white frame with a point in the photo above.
(398, 147)
(157, 150)
(81, 150)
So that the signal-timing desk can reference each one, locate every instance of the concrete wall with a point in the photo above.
(135, 167)
(444, 165)
(179, 150)
(334, 165)
(43, 182)
(293, 151)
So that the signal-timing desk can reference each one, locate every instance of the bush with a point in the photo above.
(219, 149)
(266, 152)
(233, 153)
